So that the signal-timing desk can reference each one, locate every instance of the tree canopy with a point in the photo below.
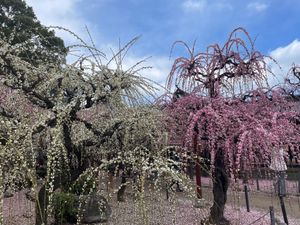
(36, 43)
(226, 106)
(73, 120)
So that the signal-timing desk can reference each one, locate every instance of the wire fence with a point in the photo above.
(260, 218)
(22, 211)
(265, 194)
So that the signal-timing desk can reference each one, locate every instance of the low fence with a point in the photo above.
(269, 186)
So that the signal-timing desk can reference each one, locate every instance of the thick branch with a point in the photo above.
(108, 133)
(6, 114)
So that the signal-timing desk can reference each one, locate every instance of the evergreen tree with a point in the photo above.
(21, 28)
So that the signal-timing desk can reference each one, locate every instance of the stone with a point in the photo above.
(8, 193)
(96, 209)
(30, 195)
(200, 203)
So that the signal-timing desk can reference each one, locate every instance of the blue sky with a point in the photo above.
(274, 23)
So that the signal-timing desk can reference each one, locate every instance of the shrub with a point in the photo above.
(65, 207)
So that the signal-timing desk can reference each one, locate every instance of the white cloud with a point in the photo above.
(194, 5)
(65, 13)
(160, 68)
(285, 56)
(204, 5)
(60, 13)
(257, 6)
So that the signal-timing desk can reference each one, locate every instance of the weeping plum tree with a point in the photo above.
(226, 109)
(45, 110)
(59, 124)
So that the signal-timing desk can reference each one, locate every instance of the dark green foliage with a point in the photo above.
(66, 203)
(65, 207)
(19, 26)
(94, 208)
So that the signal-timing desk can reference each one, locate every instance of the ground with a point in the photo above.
(179, 210)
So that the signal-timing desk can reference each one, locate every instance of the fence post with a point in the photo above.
(282, 193)
(257, 183)
(247, 198)
(298, 182)
(167, 191)
(285, 218)
(272, 215)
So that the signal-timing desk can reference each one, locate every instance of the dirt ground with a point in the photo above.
(261, 201)
(157, 210)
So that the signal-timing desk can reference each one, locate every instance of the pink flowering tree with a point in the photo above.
(223, 106)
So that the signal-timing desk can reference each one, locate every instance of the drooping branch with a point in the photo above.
(213, 68)
(293, 83)
(237, 118)
(5, 113)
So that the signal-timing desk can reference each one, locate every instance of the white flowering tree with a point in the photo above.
(61, 122)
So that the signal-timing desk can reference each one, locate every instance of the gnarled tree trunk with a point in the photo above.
(220, 187)
(61, 181)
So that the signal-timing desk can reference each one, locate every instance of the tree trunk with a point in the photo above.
(197, 165)
(198, 179)
(220, 187)
(121, 191)
(41, 207)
